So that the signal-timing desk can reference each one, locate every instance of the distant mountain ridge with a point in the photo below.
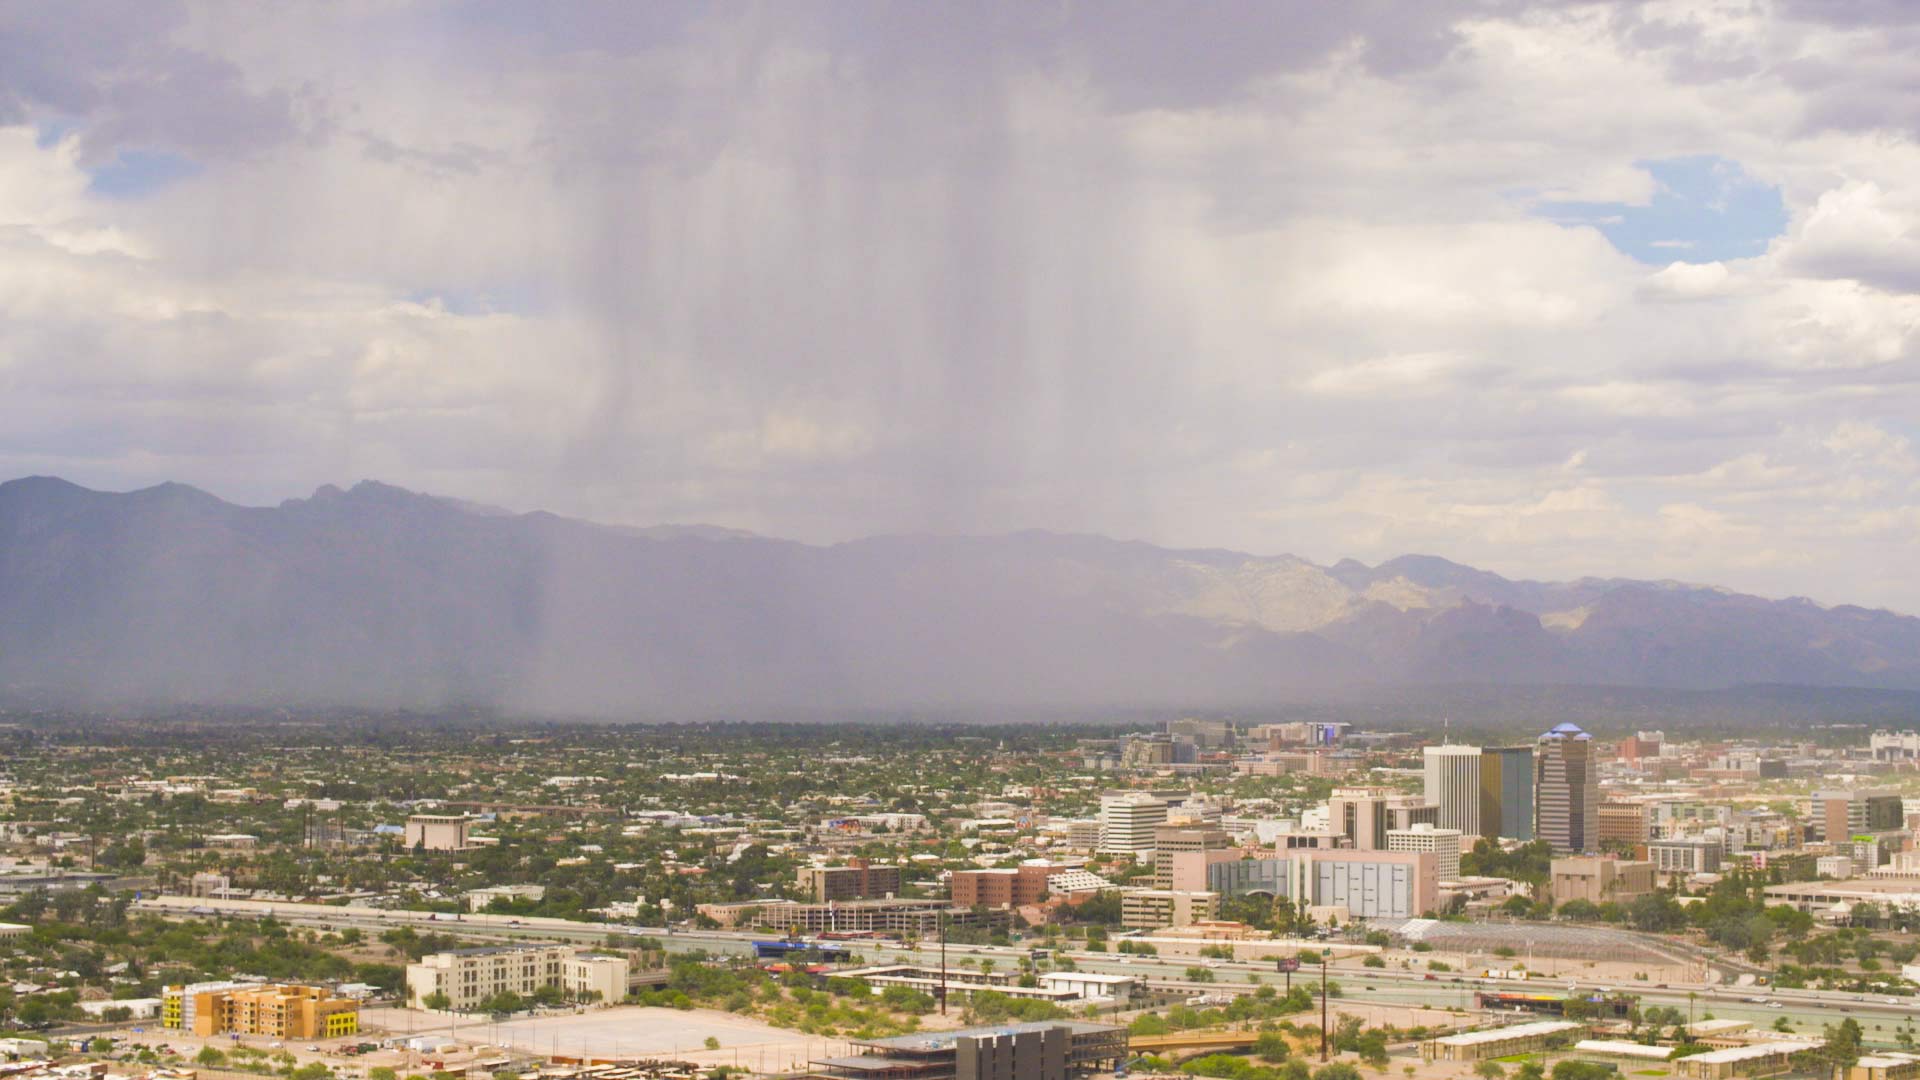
(377, 596)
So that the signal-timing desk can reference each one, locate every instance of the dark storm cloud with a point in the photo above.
(112, 71)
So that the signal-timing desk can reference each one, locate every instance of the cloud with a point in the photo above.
(1334, 279)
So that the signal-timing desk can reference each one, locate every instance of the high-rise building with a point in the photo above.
(1442, 844)
(1127, 821)
(1482, 792)
(1453, 785)
(1566, 791)
(1507, 791)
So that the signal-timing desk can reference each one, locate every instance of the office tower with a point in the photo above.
(1845, 814)
(1127, 821)
(1566, 791)
(1453, 785)
(1442, 844)
(1181, 856)
(1364, 815)
(1506, 791)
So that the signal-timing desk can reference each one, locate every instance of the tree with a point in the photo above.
(1272, 1046)
(101, 1045)
(210, 1057)
(1490, 1069)
(1339, 1070)
(437, 1001)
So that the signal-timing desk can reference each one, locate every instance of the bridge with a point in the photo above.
(1191, 1040)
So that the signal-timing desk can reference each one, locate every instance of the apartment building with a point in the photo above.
(280, 1010)
(470, 976)
(858, 880)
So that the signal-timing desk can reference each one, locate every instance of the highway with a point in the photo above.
(1807, 1010)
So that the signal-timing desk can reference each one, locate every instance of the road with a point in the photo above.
(1807, 1010)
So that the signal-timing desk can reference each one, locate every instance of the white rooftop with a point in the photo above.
(1623, 1048)
(1755, 1050)
(1515, 1031)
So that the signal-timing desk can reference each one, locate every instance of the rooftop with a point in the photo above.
(1756, 1050)
(1515, 1031)
(935, 1041)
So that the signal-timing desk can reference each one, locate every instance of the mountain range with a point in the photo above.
(384, 598)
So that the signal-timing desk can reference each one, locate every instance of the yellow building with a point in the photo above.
(282, 1011)
(1891, 1066)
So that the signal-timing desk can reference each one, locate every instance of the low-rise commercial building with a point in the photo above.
(1889, 1066)
(1754, 1059)
(1501, 1042)
(438, 832)
(1149, 909)
(1599, 879)
(1679, 857)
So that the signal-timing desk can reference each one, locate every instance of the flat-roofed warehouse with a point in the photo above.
(1501, 1042)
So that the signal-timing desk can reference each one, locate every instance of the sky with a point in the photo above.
(1552, 289)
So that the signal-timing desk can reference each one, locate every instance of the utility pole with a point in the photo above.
(943, 962)
(1323, 1005)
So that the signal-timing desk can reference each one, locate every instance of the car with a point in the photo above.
(1756, 1000)
(1893, 1001)
(1775, 1005)
(313, 1049)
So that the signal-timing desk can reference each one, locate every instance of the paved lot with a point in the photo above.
(635, 1031)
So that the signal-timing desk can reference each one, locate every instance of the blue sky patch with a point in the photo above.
(1705, 208)
(134, 173)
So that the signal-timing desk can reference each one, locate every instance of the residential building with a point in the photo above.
(1127, 822)
(1442, 844)
(279, 1010)
(437, 832)
(1566, 791)
(857, 880)
(470, 976)
(1599, 879)
(1147, 909)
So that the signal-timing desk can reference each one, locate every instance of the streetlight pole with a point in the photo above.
(943, 963)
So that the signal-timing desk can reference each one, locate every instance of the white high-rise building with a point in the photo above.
(1443, 844)
(1453, 784)
(1127, 821)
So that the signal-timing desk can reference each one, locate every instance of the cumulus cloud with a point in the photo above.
(1284, 276)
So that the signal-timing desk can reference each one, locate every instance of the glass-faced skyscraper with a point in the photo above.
(1566, 791)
